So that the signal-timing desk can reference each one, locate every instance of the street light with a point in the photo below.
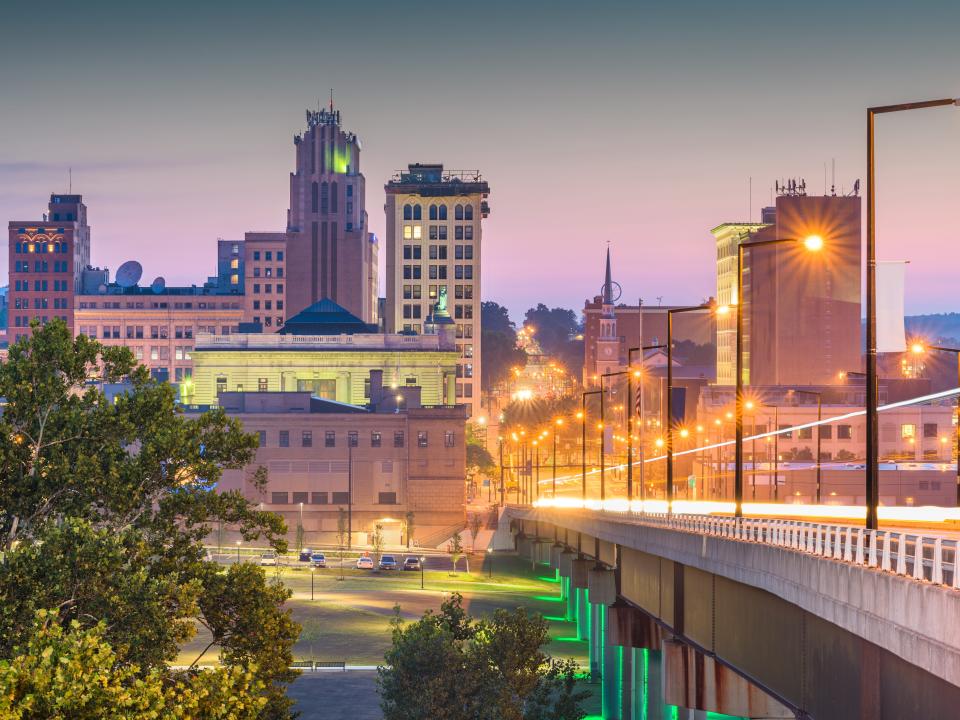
(583, 439)
(311, 583)
(490, 564)
(238, 551)
(423, 560)
(819, 397)
(873, 420)
(955, 351)
(813, 243)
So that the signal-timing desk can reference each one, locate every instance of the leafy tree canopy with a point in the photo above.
(104, 507)
(496, 318)
(556, 330)
(448, 666)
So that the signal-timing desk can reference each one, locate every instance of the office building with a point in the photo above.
(801, 308)
(329, 352)
(46, 258)
(434, 253)
(330, 252)
(377, 462)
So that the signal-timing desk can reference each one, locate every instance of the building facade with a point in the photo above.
(330, 252)
(376, 463)
(46, 258)
(434, 227)
(801, 309)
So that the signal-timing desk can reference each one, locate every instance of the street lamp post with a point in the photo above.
(423, 560)
(490, 562)
(500, 444)
(812, 243)
(559, 423)
(819, 397)
(238, 552)
(873, 423)
(311, 583)
(583, 441)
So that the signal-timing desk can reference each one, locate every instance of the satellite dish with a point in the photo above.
(158, 285)
(129, 274)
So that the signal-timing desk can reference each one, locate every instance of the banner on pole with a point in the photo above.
(891, 336)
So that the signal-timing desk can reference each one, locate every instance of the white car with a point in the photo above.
(268, 558)
(365, 563)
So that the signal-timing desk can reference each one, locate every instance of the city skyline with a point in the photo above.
(654, 126)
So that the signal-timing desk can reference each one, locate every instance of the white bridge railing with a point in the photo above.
(924, 559)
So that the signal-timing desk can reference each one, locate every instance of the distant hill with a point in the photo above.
(938, 327)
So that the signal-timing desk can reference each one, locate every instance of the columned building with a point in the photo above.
(46, 258)
(330, 253)
(433, 256)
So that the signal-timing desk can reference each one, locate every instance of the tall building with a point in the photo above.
(433, 256)
(801, 309)
(46, 258)
(331, 255)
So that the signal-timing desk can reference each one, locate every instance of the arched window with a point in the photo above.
(417, 212)
(433, 212)
(443, 212)
(314, 193)
(458, 212)
(408, 212)
(468, 212)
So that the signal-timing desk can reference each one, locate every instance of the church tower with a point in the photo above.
(608, 343)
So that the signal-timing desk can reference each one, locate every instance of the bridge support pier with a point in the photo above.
(638, 638)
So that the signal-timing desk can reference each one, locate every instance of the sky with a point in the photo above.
(636, 124)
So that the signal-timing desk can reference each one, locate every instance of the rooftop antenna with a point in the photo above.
(659, 300)
(833, 177)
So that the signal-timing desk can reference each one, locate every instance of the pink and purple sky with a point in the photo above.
(637, 123)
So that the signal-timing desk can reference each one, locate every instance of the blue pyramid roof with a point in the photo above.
(325, 317)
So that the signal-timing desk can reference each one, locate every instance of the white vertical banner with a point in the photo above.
(891, 336)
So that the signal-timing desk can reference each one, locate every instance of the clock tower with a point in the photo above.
(608, 343)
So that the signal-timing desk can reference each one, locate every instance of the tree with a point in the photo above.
(496, 318)
(448, 666)
(798, 455)
(342, 534)
(376, 541)
(555, 329)
(409, 523)
(499, 354)
(126, 493)
(844, 455)
(474, 524)
(456, 551)
(72, 672)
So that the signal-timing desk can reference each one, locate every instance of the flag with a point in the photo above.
(891, 336)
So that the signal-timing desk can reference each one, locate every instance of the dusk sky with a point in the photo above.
(635, 123)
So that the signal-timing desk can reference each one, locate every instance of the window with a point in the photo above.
(330, 438)
(261, 384)
(458, 232)
(422, 438)
(407, 232)
(433, 232)
(433, 212)
(278, 498)
(306, 438)
(458, 212)
(443, 212)
(908, 431)
(468, 232)
(468, 212)
(417, 212)
(398, 439)
(221, 384)
(300, 498)
(826, 432)
(284, 438)
(930, 430)
(387, 498)
(318, 498)
(341, 498)
(353, 437)
(805, 433)
(448, 439)
(844, 432)
(417, 232)
(375, 439)
(407, 213)
(263, 438)
(442, 232)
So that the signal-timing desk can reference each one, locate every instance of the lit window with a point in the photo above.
(908, 431)
(417, 231)
(234, 264)
(407, 232)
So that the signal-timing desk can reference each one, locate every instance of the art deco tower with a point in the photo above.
(330, 253)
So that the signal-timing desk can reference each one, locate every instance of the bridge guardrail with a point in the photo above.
(911, 555)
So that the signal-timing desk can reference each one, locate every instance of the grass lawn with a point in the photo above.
(349, 620)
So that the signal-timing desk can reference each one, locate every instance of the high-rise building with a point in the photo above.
(330, 253)
(801, 309)
(46, 258)
(433, 258)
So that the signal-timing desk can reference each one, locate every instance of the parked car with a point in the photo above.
(388, 562)
(319, 560)
(305, 555)
(365, 563)
(268, 558)
(411, 563)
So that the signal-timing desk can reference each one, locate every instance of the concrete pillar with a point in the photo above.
(612, 672)
(596, 641)
(583, 614)
(571, 613)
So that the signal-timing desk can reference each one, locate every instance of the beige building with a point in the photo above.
(376, 463)
(160, 328)
(434, 248)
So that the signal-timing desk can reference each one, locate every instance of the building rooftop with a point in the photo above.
(432, 179)
(326, 317)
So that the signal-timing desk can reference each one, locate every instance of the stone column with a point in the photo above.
(583, 614)
(641, 695)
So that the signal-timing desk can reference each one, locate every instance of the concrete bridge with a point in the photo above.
(755, 618)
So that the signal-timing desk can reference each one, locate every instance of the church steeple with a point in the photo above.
(608, 342)
(608, 283)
